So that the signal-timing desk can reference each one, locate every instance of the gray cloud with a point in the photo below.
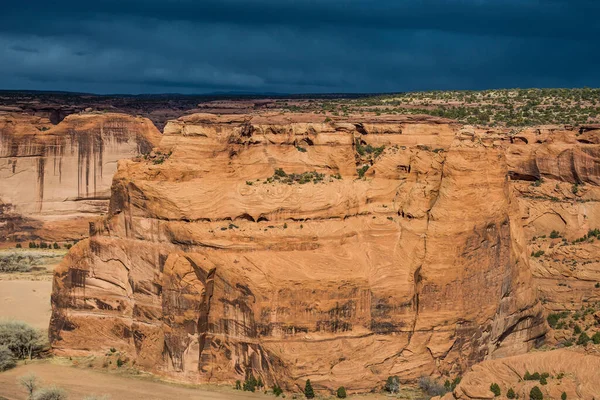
(152, 46)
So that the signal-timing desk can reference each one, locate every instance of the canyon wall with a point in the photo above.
(343, 252)
(558, 190)
(54, 178)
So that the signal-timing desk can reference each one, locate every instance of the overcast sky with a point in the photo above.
(301, 46)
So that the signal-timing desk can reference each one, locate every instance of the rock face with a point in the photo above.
(54, 178)
(342, 252)
(558, 190)
(572, 372)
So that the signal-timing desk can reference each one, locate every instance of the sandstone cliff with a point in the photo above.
(343, 252)
(53, 179)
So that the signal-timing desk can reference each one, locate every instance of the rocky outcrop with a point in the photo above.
(572, 372)
(556, 175)
(53, 179)
(342, 252)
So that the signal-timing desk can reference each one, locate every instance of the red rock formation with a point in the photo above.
(53, 178)
(212, 262)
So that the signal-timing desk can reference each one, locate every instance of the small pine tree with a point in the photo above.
(511, 394)
(308, 390)
(543, 381)
(238, 385)
(596, 338)
(536, 394)
(18, 246)
(583, 339)
(55, 246)
(563, 396)
(341, 393)
(495, 389)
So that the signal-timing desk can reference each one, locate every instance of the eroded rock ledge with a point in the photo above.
(206, 269)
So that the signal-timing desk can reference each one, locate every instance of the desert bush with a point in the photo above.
(531, 377)
(7, 360)
(18, 246)
(583, 339)
(238, 385)
(16, 262)
(431, 387)
(94, 397)
(277, 390)
(308, 390)
(563, 396)
(30, 383)
(250, 384)
(341, 393)
(51, 393)
(362, 170)
(450, 386)
(23, 340)
(596, 338)
(495, 389)
(392, 384)
(511, 394)
(536, 394)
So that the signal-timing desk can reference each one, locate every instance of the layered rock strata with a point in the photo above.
(342, 252)
(54, 178)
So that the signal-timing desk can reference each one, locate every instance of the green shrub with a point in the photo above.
(55, 246)
(250, 384)
(563, 396)
(596, 338)
(495, 389)
(18, 246)
(362, 170)
(543, 381)
(277, 391)
(583, 339)
(392, 384)
(554, 235)
(577, 329)
(238, 385)
(450, 386)
(341, 393)
(308, 390)
(537, 254)
(7, 360)
(531, 377)
(536, 394)
(511, 394)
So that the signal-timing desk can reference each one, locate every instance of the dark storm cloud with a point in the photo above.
(297, 46)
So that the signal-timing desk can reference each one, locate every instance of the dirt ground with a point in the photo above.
(81, 382)
(27, 301)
